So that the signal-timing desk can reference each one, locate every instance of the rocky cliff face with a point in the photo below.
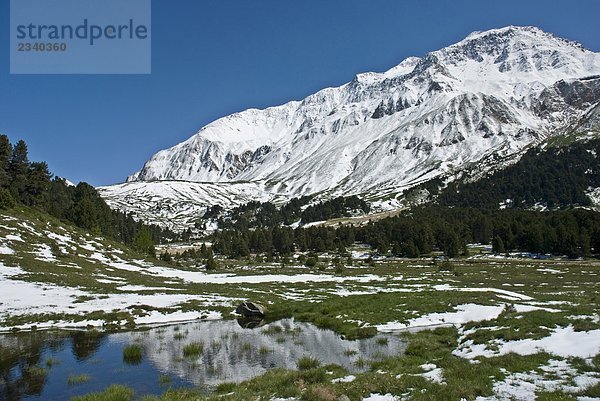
(495, 92)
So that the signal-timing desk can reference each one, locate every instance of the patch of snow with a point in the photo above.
(22, 297)
(12, 237)
(464, 313)
(228, 278)
(515, 295)
(61, 239)
(44, 253)
(556, 376)
(563, 342)
(435, 375)
(155, 317)
(346, 379)
(380, 397)
(134, 288)
(546, 270)
(5, 250)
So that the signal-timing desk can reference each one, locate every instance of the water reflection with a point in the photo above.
(36, 365)
(86, 343)
(22, 372)
(250, 322)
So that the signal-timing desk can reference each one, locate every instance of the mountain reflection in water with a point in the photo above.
(37, 365)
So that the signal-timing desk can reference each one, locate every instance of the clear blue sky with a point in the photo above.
(214, 57)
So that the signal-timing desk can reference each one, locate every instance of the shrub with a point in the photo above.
(193, 349)
(311, 262)
(307, 363)
(132, 354)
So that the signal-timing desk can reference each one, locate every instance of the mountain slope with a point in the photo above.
(496, 92)
(178, 204)
(553, 175)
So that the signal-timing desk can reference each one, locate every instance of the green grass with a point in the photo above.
(593, 391)
(132, 354)
(360, 363)
(264, 350)
(350, 352)
(112, 393)
(165, 380)
(573, 294)
(381, 341)
(73, 380)
(50, 362)
(193, 349)
(554, 396)
(307, 363)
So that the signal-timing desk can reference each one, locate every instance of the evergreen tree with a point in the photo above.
(498, 245)
(83, 212)
(482, 230)
(203, 251)
(59, 198)
(410, 250)
(142, 242)
(38, 184)
(6, 200)
(5, 154)
(18, 170)
(211, 263)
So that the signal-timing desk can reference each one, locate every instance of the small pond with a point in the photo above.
(56, 365)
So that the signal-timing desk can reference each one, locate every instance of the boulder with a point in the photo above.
(251, 322)
(251, 309)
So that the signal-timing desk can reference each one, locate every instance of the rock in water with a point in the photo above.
(251, 322)
(250, 309)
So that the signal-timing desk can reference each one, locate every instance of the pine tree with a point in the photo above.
(211, 263)
(5, 153)
(410, 250)
(83, 212)
(18, 169)
(498, 245)
(6, 200)
(142, 241)
(203, 251)
(38, 184)
(59, 198)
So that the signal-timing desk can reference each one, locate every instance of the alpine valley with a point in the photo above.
(473, 107)
(431, 232)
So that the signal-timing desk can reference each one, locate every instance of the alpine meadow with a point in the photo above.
(430, 232)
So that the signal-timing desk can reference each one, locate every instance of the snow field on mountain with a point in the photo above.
(493, 93)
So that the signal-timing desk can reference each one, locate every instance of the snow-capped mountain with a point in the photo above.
(495, 92)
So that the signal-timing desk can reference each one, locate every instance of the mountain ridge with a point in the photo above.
(497, 91)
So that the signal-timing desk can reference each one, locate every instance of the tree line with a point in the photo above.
(265, 214)
(552, 176)
(32, 184)
(423, 230)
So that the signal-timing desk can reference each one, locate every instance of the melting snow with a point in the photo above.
(5, 250)
(12, 237)
(562, 342)
(347, 379)
(380, 397)
(464, 314)
(523, 386)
